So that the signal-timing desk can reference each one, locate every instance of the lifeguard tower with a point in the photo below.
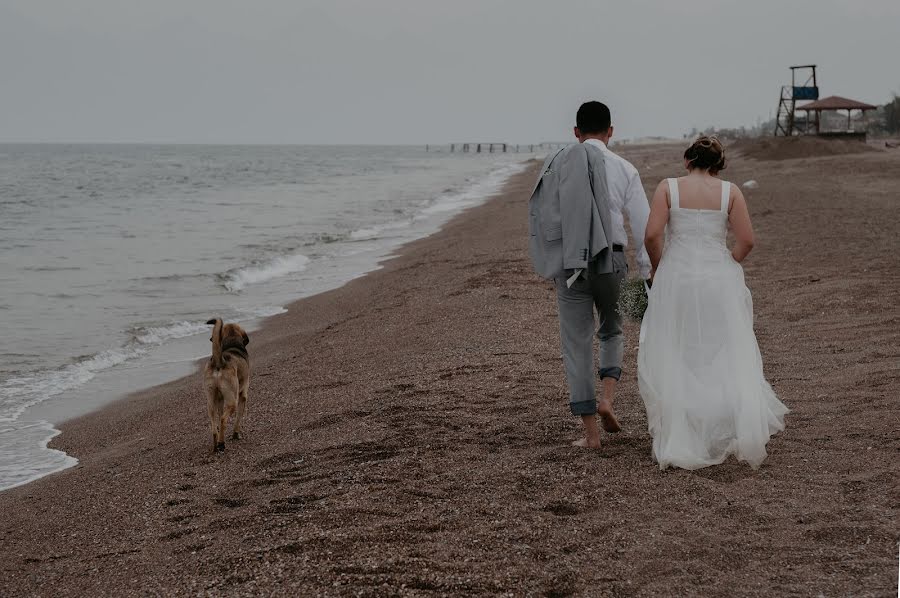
(786, 122)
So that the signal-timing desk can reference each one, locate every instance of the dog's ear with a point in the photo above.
(246, 339)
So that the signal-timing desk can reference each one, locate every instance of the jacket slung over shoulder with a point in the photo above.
(569, 220)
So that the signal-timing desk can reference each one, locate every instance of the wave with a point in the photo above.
(147, 280)
(22, 438)
(326, 238)
(364, 234)
(156, 335)
(19, 393)
(474, 193)
(277, 267)
(376, 232)
(52, 269)
(264, 312)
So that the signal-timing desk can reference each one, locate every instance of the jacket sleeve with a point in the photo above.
(575, 200)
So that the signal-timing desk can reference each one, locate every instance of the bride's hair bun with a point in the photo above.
(706, 153)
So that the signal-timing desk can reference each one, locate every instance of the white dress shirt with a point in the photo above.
(626, 192)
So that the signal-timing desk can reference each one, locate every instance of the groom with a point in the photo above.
(578, 239)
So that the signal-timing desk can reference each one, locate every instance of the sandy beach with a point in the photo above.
(408, 434)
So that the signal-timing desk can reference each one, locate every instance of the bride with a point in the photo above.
(699, 367)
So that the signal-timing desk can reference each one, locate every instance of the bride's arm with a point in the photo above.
(654, 236)
(739, 218)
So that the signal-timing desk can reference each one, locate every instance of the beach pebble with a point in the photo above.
(751, 184)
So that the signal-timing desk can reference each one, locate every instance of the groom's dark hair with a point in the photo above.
(593, 117)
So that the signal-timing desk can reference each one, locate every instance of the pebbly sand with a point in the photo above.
(408, 434)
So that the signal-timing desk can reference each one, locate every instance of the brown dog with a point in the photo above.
(227, 378)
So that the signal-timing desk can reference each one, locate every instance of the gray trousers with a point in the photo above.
(576, 328)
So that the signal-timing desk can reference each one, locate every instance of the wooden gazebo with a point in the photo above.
(815, 109)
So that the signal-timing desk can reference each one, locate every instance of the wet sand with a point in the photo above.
(408, 434)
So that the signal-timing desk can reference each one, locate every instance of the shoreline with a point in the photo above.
(408, 433)
(178, 358)
(374, 261)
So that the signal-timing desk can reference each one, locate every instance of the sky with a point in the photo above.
(421, 71)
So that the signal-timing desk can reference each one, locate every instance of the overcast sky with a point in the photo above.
(421, 71)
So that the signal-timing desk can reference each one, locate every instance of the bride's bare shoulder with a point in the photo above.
(661, 195)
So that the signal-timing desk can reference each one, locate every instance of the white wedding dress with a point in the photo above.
(699, 368)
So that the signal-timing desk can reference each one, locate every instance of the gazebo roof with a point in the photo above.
(836, 103)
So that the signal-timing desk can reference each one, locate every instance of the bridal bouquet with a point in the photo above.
(633, 298)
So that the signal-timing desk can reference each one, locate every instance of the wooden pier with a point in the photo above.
(467, 147)
(495, 146)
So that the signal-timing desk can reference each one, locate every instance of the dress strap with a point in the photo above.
(726, 191)
(673, 192)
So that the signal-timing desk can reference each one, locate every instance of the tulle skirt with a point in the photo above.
(700, 372)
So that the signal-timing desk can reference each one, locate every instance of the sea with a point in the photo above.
(113, 257)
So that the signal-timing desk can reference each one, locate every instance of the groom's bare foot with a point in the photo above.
(608, 418)
(591, 433)
(585, 443)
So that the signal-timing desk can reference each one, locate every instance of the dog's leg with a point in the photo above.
(220, 421)
(229, 411)
(242, 405)
(220, 435)
(213, 418)
(229, 399)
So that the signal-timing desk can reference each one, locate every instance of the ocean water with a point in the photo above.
(112, 257)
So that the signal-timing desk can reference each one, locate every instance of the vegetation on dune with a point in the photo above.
(890, 114)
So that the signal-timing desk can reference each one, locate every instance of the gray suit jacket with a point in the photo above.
(569, 220)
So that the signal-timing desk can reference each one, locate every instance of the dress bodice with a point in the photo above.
(694, 229)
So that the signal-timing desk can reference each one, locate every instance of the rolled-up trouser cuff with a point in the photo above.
(612, 349)
(584, 407)
(610, 373)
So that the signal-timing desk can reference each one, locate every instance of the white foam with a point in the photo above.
(25, 457)
(365, 233)
(475, 193)
(374, 232)
(160, 334)
(18, 394)
(264, 311)
(274, 268)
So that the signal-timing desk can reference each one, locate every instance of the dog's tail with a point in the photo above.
(216, 339)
